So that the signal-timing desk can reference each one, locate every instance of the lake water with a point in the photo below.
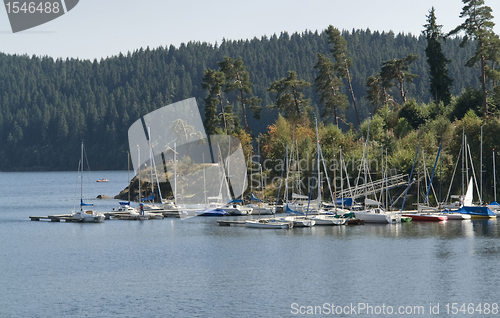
(194, 268)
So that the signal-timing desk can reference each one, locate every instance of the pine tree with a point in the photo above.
(289, 97)
(238, 78)
(440, 81)
(478, 26)
(397, 69)
(213, 81)
(328, 86)
(342, 61)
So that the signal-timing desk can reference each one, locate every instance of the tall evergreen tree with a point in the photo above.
(289, 97)
(342, 61)
(440, 81)
(238, 78)
(328, 86)
(213, 81)
(478, 26)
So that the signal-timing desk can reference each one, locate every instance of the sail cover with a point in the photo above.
(254, 198)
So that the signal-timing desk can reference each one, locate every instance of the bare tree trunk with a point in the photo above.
(243, 108)
(352, 95)
(483, 84)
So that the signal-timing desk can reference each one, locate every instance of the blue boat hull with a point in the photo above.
(212, 212)
(477, 211)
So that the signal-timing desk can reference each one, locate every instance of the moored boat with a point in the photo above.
(427, 217)
(268, 224)
(212, 212)
(477, 212)
(326, 219)
(377, 216)
(87, 212)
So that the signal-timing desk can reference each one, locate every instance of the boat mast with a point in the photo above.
(141, 211)
(81, 180)
(204, 181)
(341, 179)
(128, 175)
(463, 161)
(175, 174)
(494, 178)
(481, 170)
(281, 177)
(334, 197)
(318, 165)
(386, 183)
(151, 164)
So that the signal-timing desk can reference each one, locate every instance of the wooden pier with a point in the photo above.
(53, 218)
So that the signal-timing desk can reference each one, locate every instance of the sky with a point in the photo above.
(96, 29)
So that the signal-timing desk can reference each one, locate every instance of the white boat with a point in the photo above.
(300, 221)
(268, 224)
(87, 212)
(326, 219)
(457, 216)
(86, 216)
(260, 209)
(302, 204)
(377, 215)
(236, 209)
(125, 212)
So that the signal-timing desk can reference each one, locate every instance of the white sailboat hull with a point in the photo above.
(268, 224)
(371, 216)
(89, 216)
(328, 220)
(458, 216)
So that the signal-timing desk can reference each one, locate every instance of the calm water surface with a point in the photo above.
(194, 268)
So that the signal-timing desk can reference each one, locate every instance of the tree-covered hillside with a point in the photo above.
(47, 106)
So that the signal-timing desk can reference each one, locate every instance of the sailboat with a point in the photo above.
(468, 208)
(373, 215)
(475, 211)
(427, 213)
(259, 207)
(494, 206)
(87, 212)
(151, 210)
(272, 223)
(124, 210)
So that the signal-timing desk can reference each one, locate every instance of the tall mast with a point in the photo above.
(128, 175)
(494, 177)
(175, 173)
(81, 179)
(481, 170)
(151, 164)
(341, 178)
(386, 183)
(463, 161)
(318, 166)
(139, 177)
(334, 197)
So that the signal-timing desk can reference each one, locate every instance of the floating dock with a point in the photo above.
(53, 218)
(231, 222)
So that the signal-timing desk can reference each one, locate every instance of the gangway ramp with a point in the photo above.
(374, 187)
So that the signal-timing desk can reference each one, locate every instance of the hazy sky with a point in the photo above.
(101, 28)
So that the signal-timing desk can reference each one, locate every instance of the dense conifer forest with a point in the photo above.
(47, 106)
